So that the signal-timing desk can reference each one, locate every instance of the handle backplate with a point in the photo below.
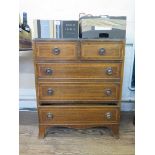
(56, 51)
(49, 71)
(49, 115)
(50, 91)
(102, 51)
(109, 71)
(108, 92)
(108, 115)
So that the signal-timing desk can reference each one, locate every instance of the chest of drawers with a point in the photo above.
(78, 83)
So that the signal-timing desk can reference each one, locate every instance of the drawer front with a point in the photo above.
(56, 51)
(78, 115)
(79, 70)
(79, 91)
(102, 51)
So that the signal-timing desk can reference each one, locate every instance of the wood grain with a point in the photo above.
(90, 50)
(68, 51)
(79, 91)
(79, 71)
(84, 115)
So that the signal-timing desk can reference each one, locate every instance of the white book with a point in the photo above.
(35, 29)
(54, 29)
(51, 27)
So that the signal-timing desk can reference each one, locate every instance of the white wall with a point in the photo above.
(70, 9)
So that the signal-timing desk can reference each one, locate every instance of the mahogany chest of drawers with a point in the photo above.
(78, 83)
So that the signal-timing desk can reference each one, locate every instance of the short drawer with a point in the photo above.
(102, 51)
(56, 51)
(79, 70)
(71, 92)
(78, 115)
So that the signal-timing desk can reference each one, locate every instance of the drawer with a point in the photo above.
(102, 51)
(79, 70)
(56, 51)
(72, 92)
(78, 115)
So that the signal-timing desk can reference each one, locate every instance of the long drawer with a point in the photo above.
(61, 115)
(78, 92)
(79, 70)
(102, 51)
(56, 51)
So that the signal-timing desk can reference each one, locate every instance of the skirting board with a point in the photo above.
(27, 94)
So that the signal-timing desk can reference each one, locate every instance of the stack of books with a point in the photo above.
(56, 29)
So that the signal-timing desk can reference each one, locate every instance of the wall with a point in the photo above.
(70, 9)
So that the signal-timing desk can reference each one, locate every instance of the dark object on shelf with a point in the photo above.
(133, 76)
(25, 26)
(24, 18)
(134, 120)
(110, 27)
(25, 36)
(70, 29)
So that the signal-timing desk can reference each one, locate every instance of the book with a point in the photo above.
(70, 29)
(57, 29)
(45, 28)
(38, 28)
(51, 28)
(54, 29)
(35, 29)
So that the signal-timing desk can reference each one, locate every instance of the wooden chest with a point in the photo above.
(78, 83)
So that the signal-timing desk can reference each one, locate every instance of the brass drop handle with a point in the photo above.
(102, 51)
(108, 92)
(108, 115)
(109, 71)
(56, 51)
(49, 71)
(50, 91)
(49, 115)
